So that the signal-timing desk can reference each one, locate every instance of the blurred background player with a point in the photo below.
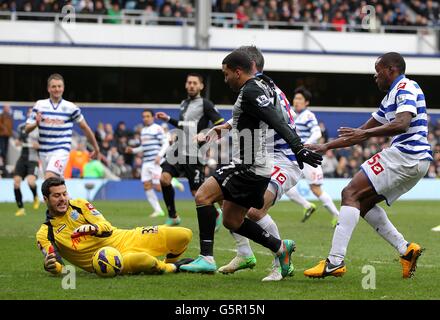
(195, 114)
(154, 144)
(26, 166)
(54, 118)
(76, 230)
(308, 129)
(388, 174)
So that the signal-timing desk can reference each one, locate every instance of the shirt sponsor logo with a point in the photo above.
(401, 85)
(90, 206)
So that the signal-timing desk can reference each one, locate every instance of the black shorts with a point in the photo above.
(195, 173)
(242, 186)
(24, 168)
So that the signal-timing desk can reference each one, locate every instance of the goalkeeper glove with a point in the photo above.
(84, 230)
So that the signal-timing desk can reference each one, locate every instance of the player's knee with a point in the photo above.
(255, 214)
(147, 185)
(231, 224)
(185, 236)
(349, 194)
(202, 198)
(165, 180)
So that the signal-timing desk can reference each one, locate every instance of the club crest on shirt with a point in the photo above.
(74, 215)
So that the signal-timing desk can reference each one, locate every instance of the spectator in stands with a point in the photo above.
(329, 164)
(121, 169)
(5, 131)
(100, 134)
(78, 158)
(94, 169)
(115, 13)
(100, 8)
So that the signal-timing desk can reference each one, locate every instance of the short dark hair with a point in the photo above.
(55, 76)
(194, 74)
(393, 59)
(49, 183)
(304, 92)
(255, 55)
(238, 60)
(150, 111)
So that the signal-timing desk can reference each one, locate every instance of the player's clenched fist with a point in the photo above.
(85, 229)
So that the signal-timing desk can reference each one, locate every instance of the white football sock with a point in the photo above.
(348, 219)
(328, 204)
(378, 219)
(152, 199)
(270, 226)
(243, 246)
(295, 196)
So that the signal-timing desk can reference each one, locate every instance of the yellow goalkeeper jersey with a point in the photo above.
(79, 251)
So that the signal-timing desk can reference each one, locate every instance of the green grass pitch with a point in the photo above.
(22, 275)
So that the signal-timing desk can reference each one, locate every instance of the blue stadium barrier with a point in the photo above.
(426, 189)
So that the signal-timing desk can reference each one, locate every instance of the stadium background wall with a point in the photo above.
(426, 189)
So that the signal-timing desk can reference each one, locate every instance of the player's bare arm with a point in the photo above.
(30, 127)
(91, 138)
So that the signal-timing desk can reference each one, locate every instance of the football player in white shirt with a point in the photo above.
(154, 143)
(308, 129)
(389, 173)
(54, 118)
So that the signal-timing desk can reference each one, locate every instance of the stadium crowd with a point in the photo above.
(117, 163)
(330, 14)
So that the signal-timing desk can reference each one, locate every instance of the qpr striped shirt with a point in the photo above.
(405, 95)
(154, 142)
(280, 145)
(274, 143)
(306, 125)
(55, 128)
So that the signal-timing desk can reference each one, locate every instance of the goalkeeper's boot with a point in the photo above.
(173, 221)
(36, 203)
(334, 222)
(308, 212)
(238, 263)
(218, 219)
(156, 214)
(325, 269)
(20, 212)
(200, 265)
(177, 184)
(409, 259)
(291, 270)
(285, 257)
(436, 229)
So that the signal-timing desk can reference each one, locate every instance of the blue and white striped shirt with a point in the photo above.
(154, 142)
(406, 95)
(280, 145)
(55, 128)
(307, 127)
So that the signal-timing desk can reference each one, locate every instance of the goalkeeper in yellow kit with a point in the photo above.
(76, 230)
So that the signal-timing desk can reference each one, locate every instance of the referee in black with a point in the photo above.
(182, 159)
(26, 167)
(243, 182)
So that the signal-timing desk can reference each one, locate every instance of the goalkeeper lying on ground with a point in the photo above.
(76, 230)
